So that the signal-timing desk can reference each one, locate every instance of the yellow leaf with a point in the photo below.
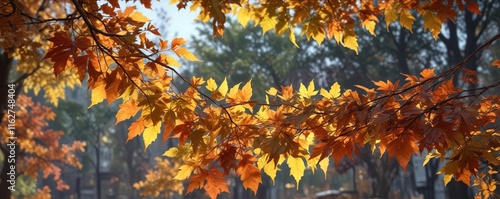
(391, 14)
(172, 152)
(186, 54)
(370, 26)
(297, 168)
(139, 17)
(350, 41)
(246, 91)
(172, 61)
(323, 165)
(223, 87)
(233, 91)
(243, 16)
(292, 38)
(307, 92)
(319, 36)
(429, 157)
(335, 90)
(406, 20)
(272, 91)
(325, 93)
(432, 23)
(267, 24)
(184, 172)
(150, 134)
(447, 178)
(211, 85)
(98, 94)
(269, 168)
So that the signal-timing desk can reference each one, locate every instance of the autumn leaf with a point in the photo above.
(250, 174)
(243, 16)
(139, 17)
(215, 183)
(98, 94)
(333, 93)
(127, 110)
(496, 63)
(402, 148)
(307, 92)
(432, 23)
(150, 134)
(297, 168)
(135, 129)
(223, 87)
(267, 23)
(184, 172)
(406, 19)
(351, 41)
(211, 85)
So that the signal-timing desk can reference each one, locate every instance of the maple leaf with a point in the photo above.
(307, 92)
(135, 129)
(297, 168)
(211, 85)
(333, 93)
(427, 73)
(402, 148)
(150, 134)
(250, 174)
(127, 110)
(184, 172)
(267, 23)
(223, 88)
(243, 16)
(432, 23)
(391, 13)
(215, 183)
(98, 94)
(406, 20)
(351, 41)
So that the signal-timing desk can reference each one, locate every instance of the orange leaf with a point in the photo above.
(250, 174)
(427, 73)
(196, 181)
(402, 147)
(135, 129)
(127, 110)
(176, 43)
(496, 63)
(215, 183)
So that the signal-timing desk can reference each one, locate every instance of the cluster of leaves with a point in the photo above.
(40, 147)
(25, 37)
(223, 131)
(160, 180)
(328, 19)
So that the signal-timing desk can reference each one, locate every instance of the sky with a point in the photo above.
(181, 22)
